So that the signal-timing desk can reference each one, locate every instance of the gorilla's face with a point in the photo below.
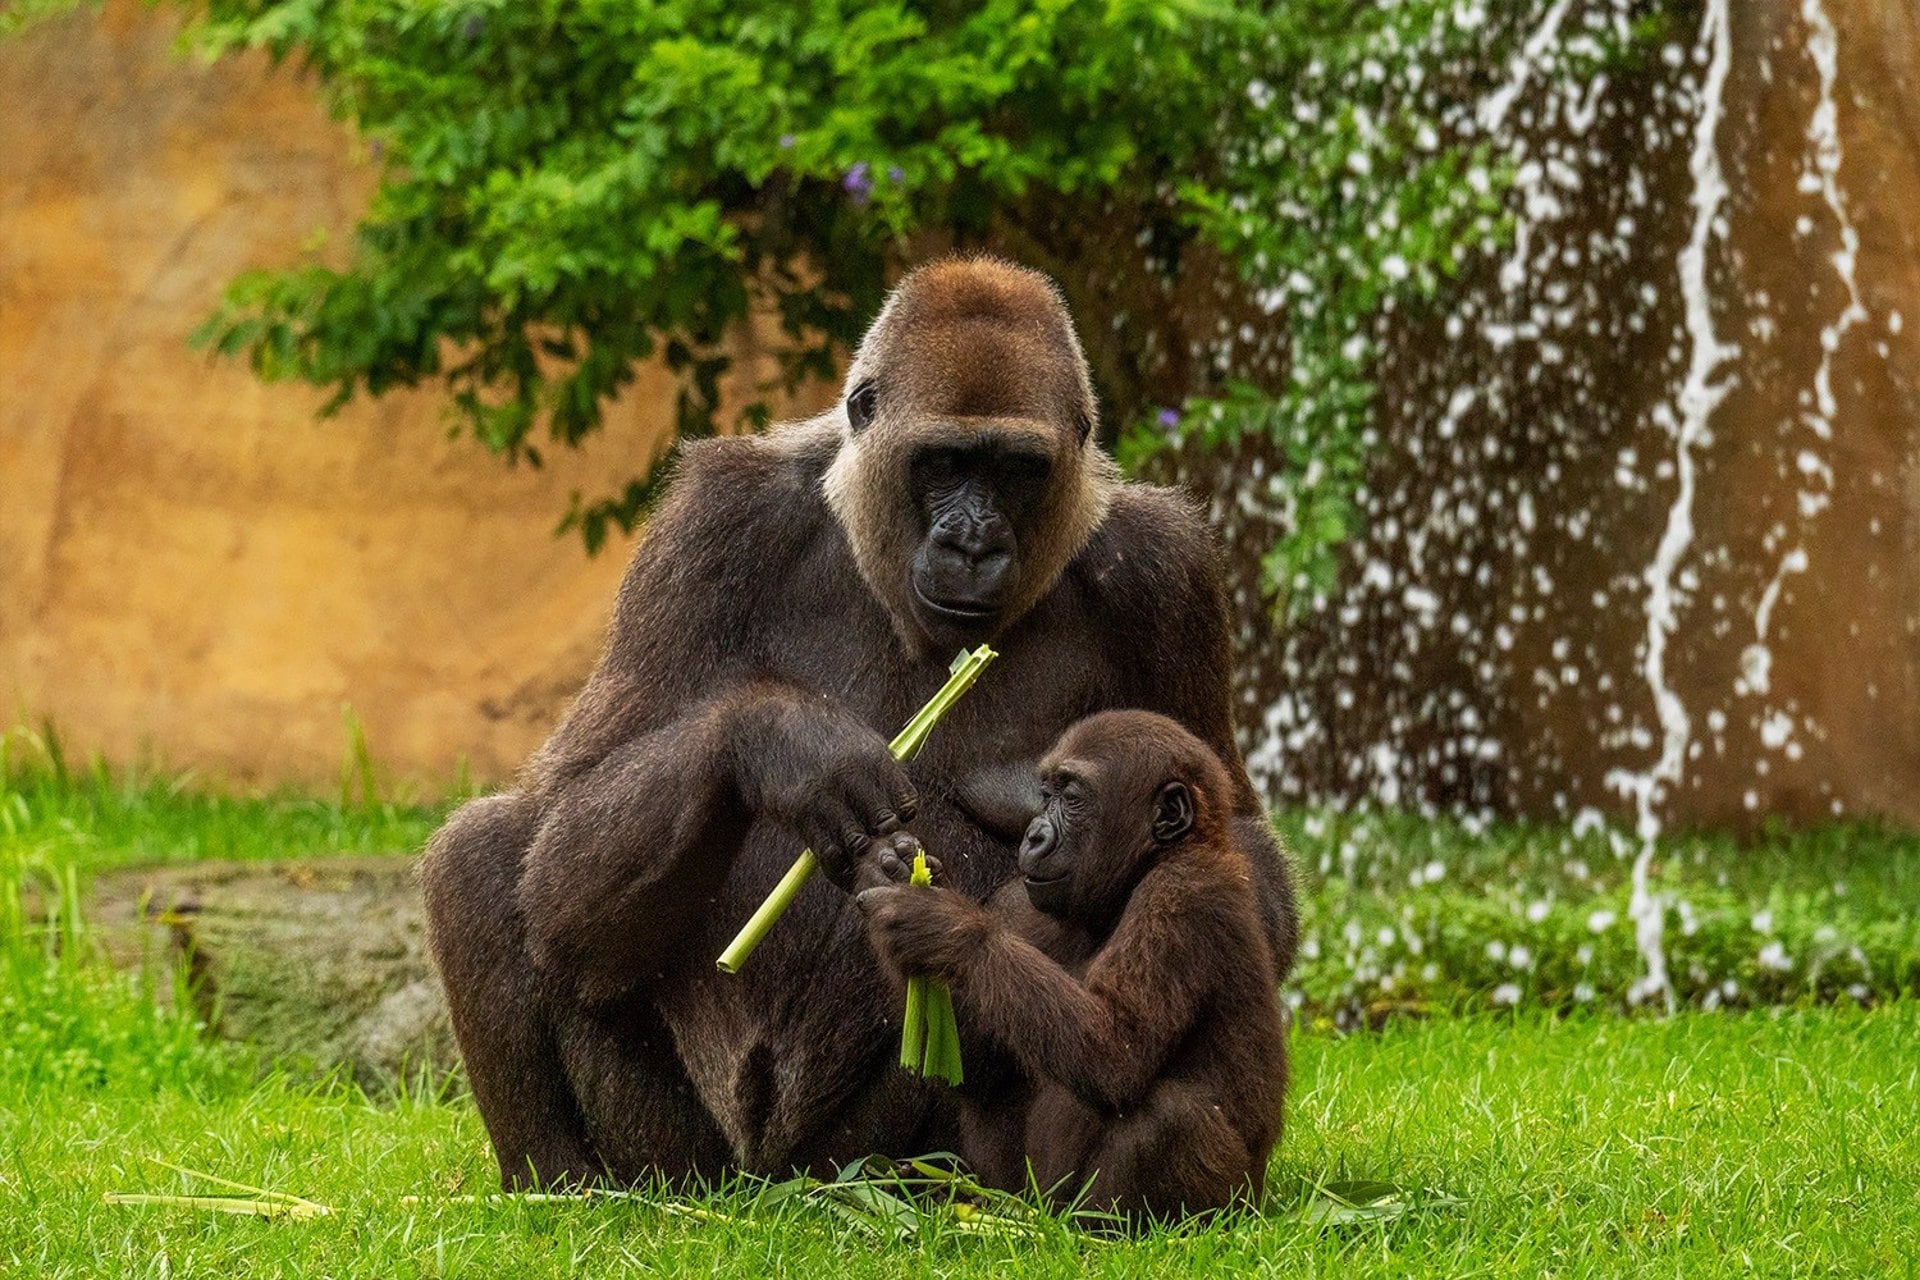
(974, 500)
(1108, 813)
(967, 477)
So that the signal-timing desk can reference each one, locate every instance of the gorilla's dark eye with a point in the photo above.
(861, 405)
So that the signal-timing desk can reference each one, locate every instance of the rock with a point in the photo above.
(322, 963)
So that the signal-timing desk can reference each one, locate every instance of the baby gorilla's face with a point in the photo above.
(1104, 820)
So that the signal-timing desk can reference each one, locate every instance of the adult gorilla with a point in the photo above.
(795, 599)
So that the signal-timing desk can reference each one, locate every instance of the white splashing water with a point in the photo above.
(1537, 202)
(1686, 419)
(1492, 110)
(1816, 473)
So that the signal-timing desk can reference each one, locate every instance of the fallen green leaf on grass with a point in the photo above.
(1339, 1204)
(258, 1201)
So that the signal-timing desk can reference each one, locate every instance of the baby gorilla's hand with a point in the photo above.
(916, 929)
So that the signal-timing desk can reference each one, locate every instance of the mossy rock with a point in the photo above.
(321, 962)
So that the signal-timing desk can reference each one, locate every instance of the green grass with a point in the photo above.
(1398, 914)
(53, 813)
(1736, 1144)
(1777, 1141)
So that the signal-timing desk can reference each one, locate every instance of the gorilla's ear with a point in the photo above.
(861, 406)
(1172, 812)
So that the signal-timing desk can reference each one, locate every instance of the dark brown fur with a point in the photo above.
(761, 652)
(1149, 1059)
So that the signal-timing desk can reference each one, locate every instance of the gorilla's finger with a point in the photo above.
(823, 834)
(876, 869)
(854, 840)
(868, 795)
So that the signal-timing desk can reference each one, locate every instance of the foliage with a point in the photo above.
(1399, 915)
(1354, 187)
(1783, 1137)
(570, 186)
(18, 15)
(73, 1024)
(55, 813)
(1405, 917)
(1705, 1145)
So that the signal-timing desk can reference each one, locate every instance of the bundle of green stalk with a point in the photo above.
(929, 1038)
(905, 746)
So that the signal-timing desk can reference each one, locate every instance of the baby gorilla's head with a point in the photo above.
(1122, 789)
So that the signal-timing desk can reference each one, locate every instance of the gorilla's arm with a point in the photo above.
(1107, 1037)
(631, 852)
(676, 745)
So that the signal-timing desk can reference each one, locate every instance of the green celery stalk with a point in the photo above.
(905, 746)
(943, 1035)
(913, 1032)
(929, 1036)
(913, 1028)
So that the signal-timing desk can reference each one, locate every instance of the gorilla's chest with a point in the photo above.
(1052, 670)
(805, 1028)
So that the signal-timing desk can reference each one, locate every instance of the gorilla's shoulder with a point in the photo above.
(736, 510)
(1153, 549)
(785, 463)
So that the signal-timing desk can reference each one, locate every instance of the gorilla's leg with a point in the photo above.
(1175, 1155)
(502, 1009)
(643, 1116)
(570, 1093)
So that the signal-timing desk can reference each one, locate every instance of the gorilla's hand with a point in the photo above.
(918, 930)
(889, 860)
(813, 767)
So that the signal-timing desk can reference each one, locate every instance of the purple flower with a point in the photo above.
(895, 173)
(786, 141)
(859, 182)
(1169, 418)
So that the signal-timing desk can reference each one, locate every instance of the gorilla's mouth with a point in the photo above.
(966, 611)
(1049, 896)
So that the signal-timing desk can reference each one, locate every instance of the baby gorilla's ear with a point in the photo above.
(1172, 812)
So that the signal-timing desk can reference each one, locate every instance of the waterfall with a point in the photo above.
(1686, 421)
(1822, 178)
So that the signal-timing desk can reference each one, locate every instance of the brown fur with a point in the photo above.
(966, 349)
(758, 658)
(1149, 1057)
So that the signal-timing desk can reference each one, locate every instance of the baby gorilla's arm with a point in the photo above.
(1105, 1038)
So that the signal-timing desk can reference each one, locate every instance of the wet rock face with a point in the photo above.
(1488, 649)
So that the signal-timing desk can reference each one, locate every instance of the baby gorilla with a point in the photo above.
(1118, 1001)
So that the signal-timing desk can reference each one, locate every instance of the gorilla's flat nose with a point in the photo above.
(1040, 840)
(977, 542)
